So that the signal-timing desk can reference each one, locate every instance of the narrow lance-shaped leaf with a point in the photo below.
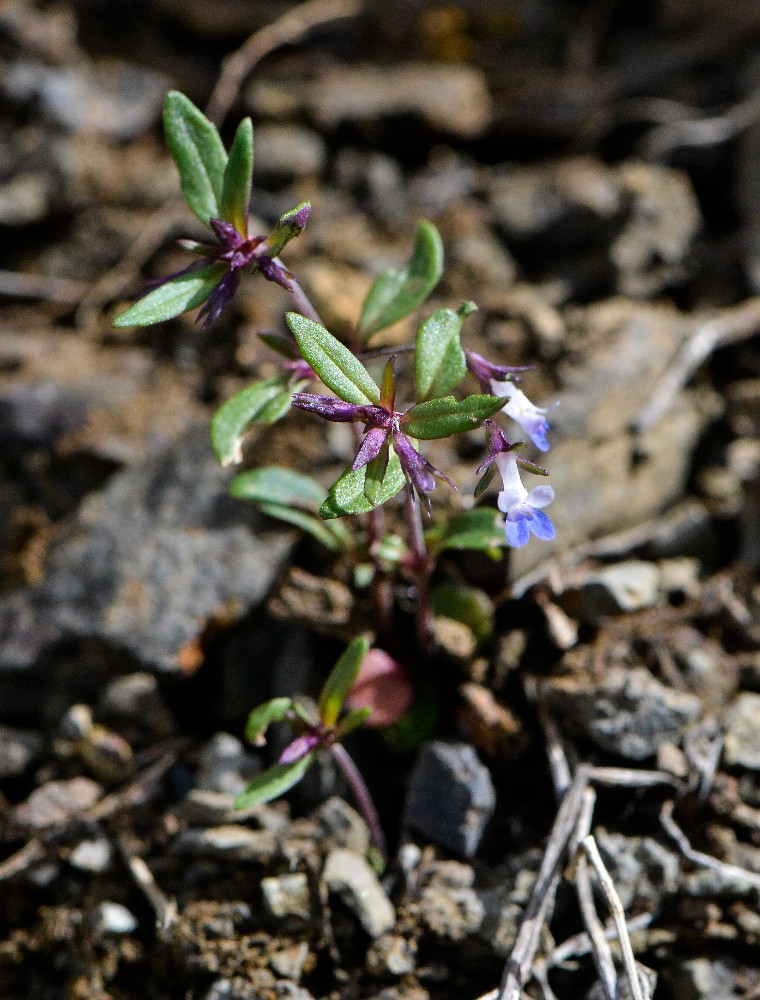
(236, 182)
(273, 782)
(442, 417)
(395, 294)
(333, 362)
(347, 494)
(197, 149)
(439, 361)
(173, 297)
(263, 716)
(314, 526)
(341, 680)
(280, 485)
(264, 402)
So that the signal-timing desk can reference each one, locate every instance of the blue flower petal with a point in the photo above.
(516, 529)
(540, 525)
(539, 437)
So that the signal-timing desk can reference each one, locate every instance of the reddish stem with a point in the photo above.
(362, 795)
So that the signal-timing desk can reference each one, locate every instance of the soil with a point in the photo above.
(592, 167)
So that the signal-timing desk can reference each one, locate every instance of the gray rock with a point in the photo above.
(606, 479)
(391, 955)
(136, 698)
(116, 99)
(19, 748)
(235, 843)
(742, 738)
(289, 962)
(451, 98)
(451, 797)
(625, 586)
(205, 807)
(225, 765)
(288, 151)
(56, 802)
(147, 563)
(287, 896)
(343, 826)
(643, 870)
(706, 979)
(451, 913)
(350, 877)
(628, 712)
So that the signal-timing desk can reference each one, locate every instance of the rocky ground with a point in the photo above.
(592, 167)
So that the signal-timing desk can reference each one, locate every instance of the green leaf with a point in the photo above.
(352, 721)
(347, 494)
(238, 174)
(395, 294)
(333, 362)
(314, 526)
(341, 680)
(442, 417)
(439, 361)
(264, 402)
(173, 297)
(479, 528)
(468, 605)
(273, 782)
(263, 716)
(276, 484)
(288, 226)
(199, 154)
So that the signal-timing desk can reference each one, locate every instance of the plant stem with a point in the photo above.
(300, 299)
(422, 568)
(361, 793)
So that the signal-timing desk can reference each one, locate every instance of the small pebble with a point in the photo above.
(349, 876)
(287, 896)
(92, 856)
(742, 739)
(451, 797)
(225, 765)
(19, 748)
(234, 842)
(113, 918)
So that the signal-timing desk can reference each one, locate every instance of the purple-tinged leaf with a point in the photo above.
(373, 442)
(298, 748)
(289, 225)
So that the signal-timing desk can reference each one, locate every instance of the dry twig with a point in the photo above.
(292, 27)
(163, 906)
(618, 915)
(728, 871)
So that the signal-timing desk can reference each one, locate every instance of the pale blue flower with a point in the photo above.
(521, 509)
(529, 416)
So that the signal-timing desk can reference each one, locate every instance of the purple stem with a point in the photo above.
(361, 793)
(422, 569)
(301, 300)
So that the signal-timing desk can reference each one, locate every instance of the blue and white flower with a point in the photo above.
(522, 509)
(529, 416)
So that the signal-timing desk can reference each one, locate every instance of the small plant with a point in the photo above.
(391, 421)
